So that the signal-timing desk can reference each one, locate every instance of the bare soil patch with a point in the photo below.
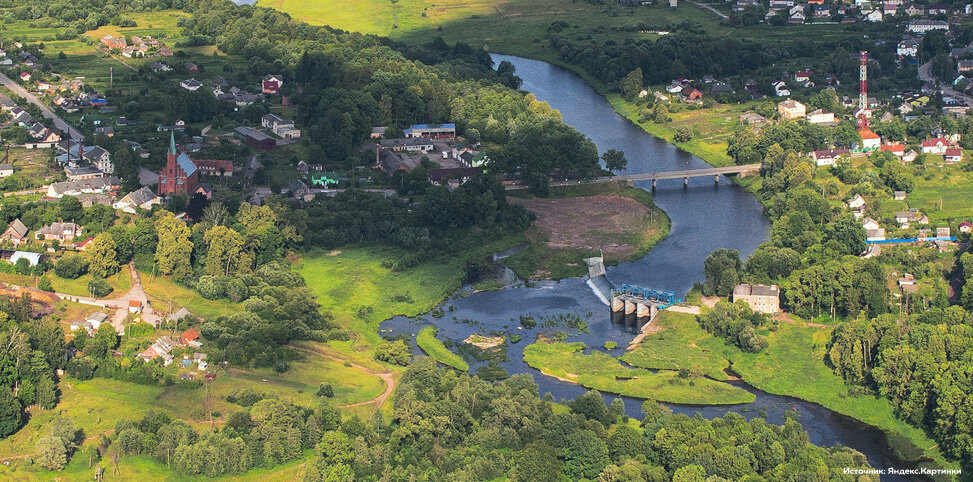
(612, 223)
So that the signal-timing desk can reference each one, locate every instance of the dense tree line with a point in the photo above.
(737, 324)
(458, 427)
(921, 365)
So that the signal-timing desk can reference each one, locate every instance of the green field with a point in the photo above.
(599, 371)
(163, 292)
(792, 365)
(678, 346)
(433, 347)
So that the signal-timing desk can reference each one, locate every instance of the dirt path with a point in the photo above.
(386, 376)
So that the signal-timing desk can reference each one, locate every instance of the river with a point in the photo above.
(704, 217)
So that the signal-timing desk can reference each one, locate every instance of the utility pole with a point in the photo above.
(111, 76)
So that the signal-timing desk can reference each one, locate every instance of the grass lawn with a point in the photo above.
(162, 291)
(678, 346)
(120, 282)
(793, 365)
(599, 371)
(433, 347)
(949, 187)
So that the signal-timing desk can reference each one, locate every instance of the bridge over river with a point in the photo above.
(685, 174)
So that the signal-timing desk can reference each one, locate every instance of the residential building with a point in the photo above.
(753, 119)
(255, 138)
(953, 155)
(191, 85)
(922, 27)
(827, 157)
(781, 90)
(761, 298)
(936, 145)
(791, 109)
(87, 186)
(856, 202)
(271, 84)
(143, 198)
(898, 196)
(80, 173)
(869, 223)
(870, 140)
(16, 232)
(6, 170)
(877, 234)
(821, 117)
(215, 167)
(59, 232)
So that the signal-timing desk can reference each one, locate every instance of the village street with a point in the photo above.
(59, 123)
(121, 304)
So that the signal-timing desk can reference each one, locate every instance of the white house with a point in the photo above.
(869, 223)
(936, 145)
(856, 202)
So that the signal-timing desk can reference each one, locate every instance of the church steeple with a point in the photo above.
(172, 143)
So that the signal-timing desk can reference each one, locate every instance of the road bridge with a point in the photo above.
(684, 174)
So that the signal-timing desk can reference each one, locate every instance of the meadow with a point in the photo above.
(167, 295)
(598, 370)
(426, 339)
(677, 346)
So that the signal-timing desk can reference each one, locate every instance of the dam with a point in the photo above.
(634, 306)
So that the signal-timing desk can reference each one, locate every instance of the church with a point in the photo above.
(180, 174)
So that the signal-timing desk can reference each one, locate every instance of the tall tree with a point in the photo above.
(174, 248)
(102, 256)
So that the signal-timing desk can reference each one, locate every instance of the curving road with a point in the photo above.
(59, 123)
(925, 75)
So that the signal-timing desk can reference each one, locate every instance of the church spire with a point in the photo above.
(172, 143)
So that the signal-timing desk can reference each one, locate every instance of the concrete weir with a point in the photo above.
(634, 306)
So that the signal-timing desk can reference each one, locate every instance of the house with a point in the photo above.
(869, 223)
(906, 217)
(205, 189)
(761, 298)
(803, 76)
(921, 27)
(134, 306)
(105, 131)
(297, 189)
(431, 131)
(964, 66)
(856, 202)
(870, 140)
(143, 198)
(256, 139)
(909, 156)
(25, 76)
(6, 170)
(953, 155)
(873, 16)
(16, 232)
(690, 94)
(722, 88)
(889, 9)
(191, 67)
(377, 132)
(797, 18)
(965, 227)
(271, 84)
(674, 88)
(821, 117)
(160, 349)
(942, 232)
(82, 325)
(113, 42)
(897, 149)
(791, 109)
(180, 174)
(283, 128)
(190, 338)
(828, 157)
(158, 67)
(179, 315)
(96, 319)
(191, 84)
(781, 90)
(898, 195)
(936, 145)
(753, 119)
(87, 186)
(938, 9)
(59, 232)
(877, 234)
(7, 104)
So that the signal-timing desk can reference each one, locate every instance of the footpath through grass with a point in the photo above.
(599, 371)
(426, 339)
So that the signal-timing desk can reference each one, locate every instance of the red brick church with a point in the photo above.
(180, 174)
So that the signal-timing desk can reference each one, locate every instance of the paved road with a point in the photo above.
(711, 9)
(925, 74)
(59, 123)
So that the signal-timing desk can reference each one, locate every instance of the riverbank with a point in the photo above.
(621, 223)
(792, 365)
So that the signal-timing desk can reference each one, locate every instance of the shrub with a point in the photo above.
(99, 288)
(325, 390)
(71, 266)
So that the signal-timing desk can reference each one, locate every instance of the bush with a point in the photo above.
(72, 266)
(81, 368)
(396, 352)
(45, 284)
(325, 390)
(99, 288)
(210, 287)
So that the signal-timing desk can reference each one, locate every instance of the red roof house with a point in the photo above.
(189, 337)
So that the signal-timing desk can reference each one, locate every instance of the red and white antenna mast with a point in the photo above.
(863, 91)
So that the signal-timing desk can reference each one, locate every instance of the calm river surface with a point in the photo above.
(704, 217)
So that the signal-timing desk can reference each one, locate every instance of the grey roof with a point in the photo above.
(6, 167)
(140, 196)
(186, 164)
(18, 227)
(32, 258)
(182, 313)
(756, 290)
(99, 317)
(406, 142)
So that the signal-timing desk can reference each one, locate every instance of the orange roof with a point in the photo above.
(189, 335)
(868, 134)
(134, 303)
(893, 147)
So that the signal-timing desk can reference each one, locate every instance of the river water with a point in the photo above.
(704, 217)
